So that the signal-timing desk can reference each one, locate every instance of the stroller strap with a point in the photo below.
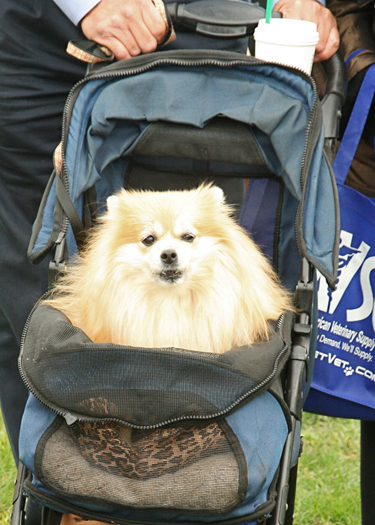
(71, 212)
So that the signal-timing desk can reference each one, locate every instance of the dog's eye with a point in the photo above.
(149, 240)
(188, 237)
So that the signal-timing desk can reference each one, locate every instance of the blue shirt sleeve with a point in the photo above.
(323, 2)
(74, 10)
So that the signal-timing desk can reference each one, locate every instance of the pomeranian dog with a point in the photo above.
(171, 269)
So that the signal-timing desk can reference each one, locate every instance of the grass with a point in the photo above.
(328, 476)
(7, 476)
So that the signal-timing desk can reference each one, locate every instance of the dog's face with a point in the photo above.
(165, 236)
(169, 254)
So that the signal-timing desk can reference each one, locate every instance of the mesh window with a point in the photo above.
(142, 387)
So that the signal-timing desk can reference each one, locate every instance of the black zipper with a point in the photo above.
(71, 418)
(304, 172)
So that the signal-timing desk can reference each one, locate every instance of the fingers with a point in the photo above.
(329, 41)
(314, 11)
(148, 33)
(329, 48)
(126, 27)
(154, 21)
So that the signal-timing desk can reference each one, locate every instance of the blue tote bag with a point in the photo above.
(344, 371)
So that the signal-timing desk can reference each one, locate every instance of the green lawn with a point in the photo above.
(7, 476)
(328, 478)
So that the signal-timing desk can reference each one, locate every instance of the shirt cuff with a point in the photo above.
(74, 10)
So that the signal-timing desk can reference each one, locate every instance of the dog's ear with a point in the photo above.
(213, 191)
(112, 201)
(218, 194)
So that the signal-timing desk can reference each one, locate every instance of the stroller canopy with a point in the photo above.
(109, 112)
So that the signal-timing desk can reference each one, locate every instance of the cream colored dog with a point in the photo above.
(171, 269)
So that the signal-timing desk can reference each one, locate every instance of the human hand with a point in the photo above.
(314, 11)
(126, 27)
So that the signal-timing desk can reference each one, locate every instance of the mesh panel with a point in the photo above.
(142, 387)
(189, 467)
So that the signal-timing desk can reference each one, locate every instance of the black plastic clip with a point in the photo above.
(18, 516)
(59, 263)
(305, 289)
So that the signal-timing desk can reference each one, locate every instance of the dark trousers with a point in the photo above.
(35, 77)
(368, 472)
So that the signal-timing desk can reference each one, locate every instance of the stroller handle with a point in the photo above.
(223, 19)
(217, 18)
(226, 19)
(335, 94)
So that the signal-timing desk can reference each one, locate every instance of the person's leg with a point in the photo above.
(368, 472)
(13, 393)
(36, 75)
(21, 285)
(35, 78)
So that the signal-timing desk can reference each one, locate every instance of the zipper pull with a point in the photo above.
(70, 419)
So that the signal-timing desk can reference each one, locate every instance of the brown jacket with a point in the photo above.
(357, 29)
(356, 24)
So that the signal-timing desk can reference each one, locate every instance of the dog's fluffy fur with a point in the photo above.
(171, 269)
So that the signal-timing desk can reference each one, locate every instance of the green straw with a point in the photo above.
(268, 11)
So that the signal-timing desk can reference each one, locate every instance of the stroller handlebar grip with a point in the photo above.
(335, 94)
(336, 76)
(217, 18)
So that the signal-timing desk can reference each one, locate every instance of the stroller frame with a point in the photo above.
(300, 362)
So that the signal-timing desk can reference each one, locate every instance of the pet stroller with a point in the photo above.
(214, 438)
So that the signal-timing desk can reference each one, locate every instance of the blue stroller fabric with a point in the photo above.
(77, 386)
(111, 114)
(235, 404)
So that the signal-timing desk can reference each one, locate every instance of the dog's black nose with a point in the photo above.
(168, 256)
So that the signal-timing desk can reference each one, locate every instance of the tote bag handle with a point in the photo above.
(354, 128)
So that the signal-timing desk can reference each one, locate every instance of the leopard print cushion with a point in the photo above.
(143, 454)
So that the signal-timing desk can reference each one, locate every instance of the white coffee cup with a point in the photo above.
(287, 41)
